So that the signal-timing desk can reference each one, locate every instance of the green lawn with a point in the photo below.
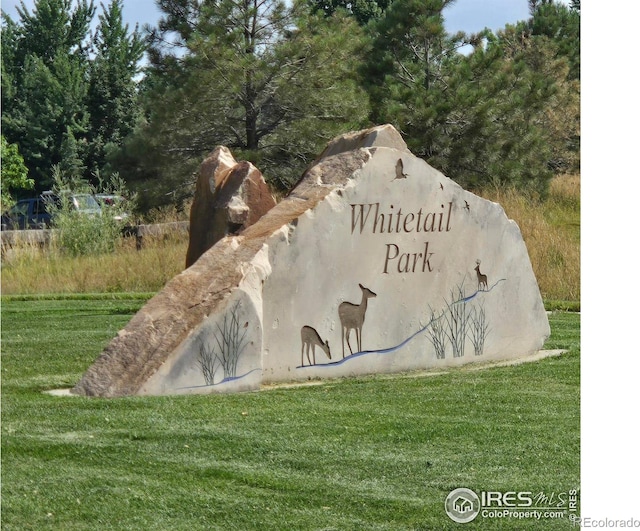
(362, 454)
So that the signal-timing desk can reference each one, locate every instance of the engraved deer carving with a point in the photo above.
(311, 339)
(482, 279)
(352, 318)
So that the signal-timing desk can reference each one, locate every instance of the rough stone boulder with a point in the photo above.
(374, 263)
(229, 197)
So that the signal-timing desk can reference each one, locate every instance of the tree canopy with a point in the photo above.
(363, 11)
(490, 117)
(66, 95)
(271, 81)
(275, 80)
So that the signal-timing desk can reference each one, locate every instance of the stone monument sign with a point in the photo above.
(374, 263)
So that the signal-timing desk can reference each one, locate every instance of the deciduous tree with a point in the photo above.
(14, 174)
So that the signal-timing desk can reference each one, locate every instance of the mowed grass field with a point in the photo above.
(375, 453)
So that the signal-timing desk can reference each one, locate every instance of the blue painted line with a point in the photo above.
(225, 380)
(233, 378)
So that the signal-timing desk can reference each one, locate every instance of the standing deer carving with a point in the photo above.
(352, 318)
(311, 339)
(482, 279)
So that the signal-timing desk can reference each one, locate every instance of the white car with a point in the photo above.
(113, 201)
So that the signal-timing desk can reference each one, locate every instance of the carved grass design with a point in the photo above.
(452, 322)
(229, 343)
(455, 322)
(208, 362)
(437, 335)
(478, 330)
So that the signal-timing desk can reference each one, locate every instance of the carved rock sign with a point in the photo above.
(375, 263)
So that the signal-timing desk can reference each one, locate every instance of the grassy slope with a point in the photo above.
(368, 453)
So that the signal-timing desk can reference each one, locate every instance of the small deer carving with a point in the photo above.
(352, 318)
(311, 339)
(482, 279)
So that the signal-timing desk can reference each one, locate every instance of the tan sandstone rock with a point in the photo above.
(229, 197)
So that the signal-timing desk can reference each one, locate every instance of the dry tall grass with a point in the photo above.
(551, 230)
(34, 271)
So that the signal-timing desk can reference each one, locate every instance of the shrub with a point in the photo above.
(85, 227)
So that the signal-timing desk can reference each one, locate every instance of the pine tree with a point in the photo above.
(61, 98)
(269, 80)
(410, 50)
(363, 11)
(45, 58)
(561, 24)
(112, 99)
(485, 118)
